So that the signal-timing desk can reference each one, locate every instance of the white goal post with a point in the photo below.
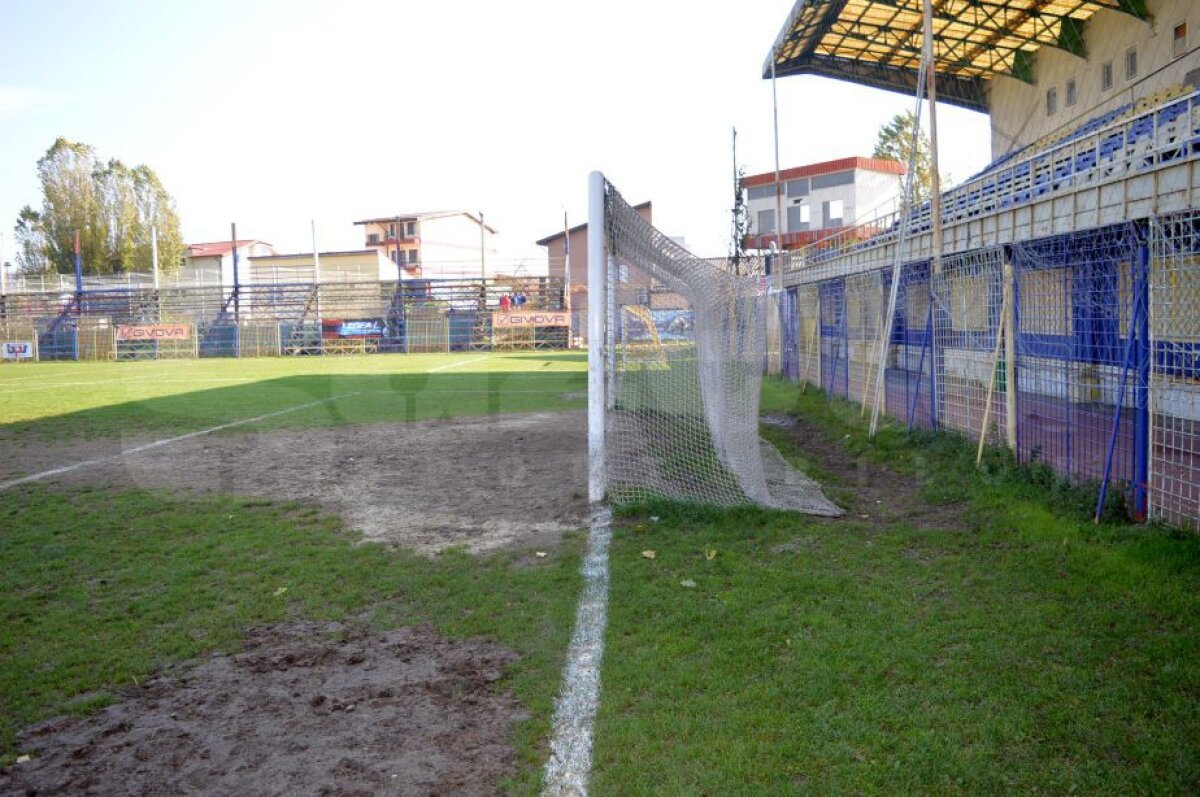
(676, 352)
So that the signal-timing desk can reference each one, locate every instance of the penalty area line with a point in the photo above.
(457, 364)
(570, 761)
(46, 474)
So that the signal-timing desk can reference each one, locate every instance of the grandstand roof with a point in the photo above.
(878, 42)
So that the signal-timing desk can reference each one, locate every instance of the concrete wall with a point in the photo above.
(1019, 116)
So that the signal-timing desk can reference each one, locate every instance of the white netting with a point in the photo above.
(686, 349)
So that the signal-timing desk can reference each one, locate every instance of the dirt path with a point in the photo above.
(483, 483)
(868, 491)
(297, 713)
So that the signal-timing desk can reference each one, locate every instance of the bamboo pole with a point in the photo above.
(987, 408)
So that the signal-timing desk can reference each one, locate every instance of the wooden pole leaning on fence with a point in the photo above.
(1005, 304)
(808, 356)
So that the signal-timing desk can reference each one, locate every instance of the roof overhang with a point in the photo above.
(878, 42)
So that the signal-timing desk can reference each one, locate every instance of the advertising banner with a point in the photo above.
(17, 350)
(359, 328)
(531, 318)
(154, 332)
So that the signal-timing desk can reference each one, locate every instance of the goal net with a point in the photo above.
(676, 352)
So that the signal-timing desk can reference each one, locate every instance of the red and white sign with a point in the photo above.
(154, 332)
(532, 318)
(17, 350)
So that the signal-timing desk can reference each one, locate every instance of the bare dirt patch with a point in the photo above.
(870, 492)
(482, 483)
(298, 712)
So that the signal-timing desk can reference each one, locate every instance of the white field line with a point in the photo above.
(570, 762)
(164, 442)
(457, 364)
(135, 383)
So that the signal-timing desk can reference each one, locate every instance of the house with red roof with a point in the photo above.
(819, 199)
(213, 261)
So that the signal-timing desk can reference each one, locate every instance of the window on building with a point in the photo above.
(761, 191)
(410, 229)
(831, 180)
(392, 230)
(412, 255)
(396, 256)
(372, 238)
(1179, 40)
(797, 218)
(832, 211)
(1051, 101)
(1131, 64)
(1106, 76)
(797, 187)
(766, 222)
(1072, 93)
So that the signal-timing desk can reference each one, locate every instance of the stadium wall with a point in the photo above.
(1090, 367)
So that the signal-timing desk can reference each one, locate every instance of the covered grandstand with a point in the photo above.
(1062, 316)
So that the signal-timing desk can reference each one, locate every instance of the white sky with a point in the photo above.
(274, 112)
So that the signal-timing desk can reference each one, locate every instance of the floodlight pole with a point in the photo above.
(597, 302)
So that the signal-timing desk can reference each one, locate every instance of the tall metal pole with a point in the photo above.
(567, 278)
(237, 286)
(3, 269)
(316, 253)
(78, 268)
(316, 269)
(778, 187)
(935, 187)
(154, 253)
(482, 247)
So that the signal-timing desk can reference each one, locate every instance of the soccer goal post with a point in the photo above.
(676, 354)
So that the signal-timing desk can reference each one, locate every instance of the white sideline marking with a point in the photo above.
(455, 365)
(134, 383)
(570, 761)
(164, 442)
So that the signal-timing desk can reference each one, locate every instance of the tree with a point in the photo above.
(113, 208)
(895, 142)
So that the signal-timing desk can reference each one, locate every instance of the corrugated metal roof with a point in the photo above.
(878, 42)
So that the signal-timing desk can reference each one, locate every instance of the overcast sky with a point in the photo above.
(274, 112)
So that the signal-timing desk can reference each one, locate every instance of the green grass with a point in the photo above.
(1027, 651)
(63, 401)
(103, 587)
(1030, 652)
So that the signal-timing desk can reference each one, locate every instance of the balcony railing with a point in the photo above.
(1133, 139)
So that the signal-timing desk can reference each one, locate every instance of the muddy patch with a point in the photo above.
(482, 483)
(405, 712)
(870, 492)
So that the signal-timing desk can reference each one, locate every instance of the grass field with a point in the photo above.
(104, 585)
(976, 635)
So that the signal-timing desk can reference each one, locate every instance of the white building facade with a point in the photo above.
(820, 199)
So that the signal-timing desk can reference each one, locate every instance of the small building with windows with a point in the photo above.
(435, 244)
(820, 199)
